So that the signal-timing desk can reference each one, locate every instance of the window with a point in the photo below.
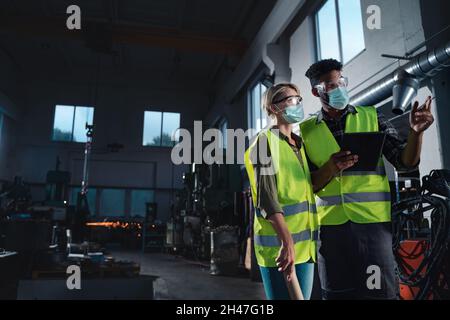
(70, 123)
(160, 128)
(256, 114)
(139, 198)
(223, 126)
(112, 202)
(340, 31)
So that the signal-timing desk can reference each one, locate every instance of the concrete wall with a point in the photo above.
(434, 19)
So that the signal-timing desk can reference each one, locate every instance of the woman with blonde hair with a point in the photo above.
(285, 223)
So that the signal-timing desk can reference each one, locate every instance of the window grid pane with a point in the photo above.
(82, 115)
(152, 128)
(264, 118)
(255, 110)
(257, 116)
(63, 123)
(112, 202)
(171, 122)
(352, 29)
(139, 198)
(223, 129)
(327, 31)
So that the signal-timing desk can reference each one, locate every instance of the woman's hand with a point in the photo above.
(286, 257)
(285, 260)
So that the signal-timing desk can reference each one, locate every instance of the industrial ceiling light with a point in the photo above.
(403, 91)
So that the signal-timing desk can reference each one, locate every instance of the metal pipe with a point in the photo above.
(420, 67)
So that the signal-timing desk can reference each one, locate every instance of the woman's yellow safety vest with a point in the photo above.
(361, 197)
(296, 198)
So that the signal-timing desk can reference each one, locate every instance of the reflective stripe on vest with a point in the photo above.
(353, 197)
(274, 241)
(296, 199)
(359, 196)
(379, 171)
(298, 208)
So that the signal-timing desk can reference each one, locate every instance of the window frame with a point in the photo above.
(101, 202)
(95, 207)
(250, 105)
(130, 209)
(339, 34)
(161, 129)
(73, 123)
(218, 125)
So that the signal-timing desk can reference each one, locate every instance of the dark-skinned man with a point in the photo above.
(355, 239)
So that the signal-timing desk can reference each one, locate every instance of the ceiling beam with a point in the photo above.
(245, 12)
(125, 34)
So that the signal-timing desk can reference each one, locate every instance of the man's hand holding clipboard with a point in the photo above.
(366, 146)
(342, 160)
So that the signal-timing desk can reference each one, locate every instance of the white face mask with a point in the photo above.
(338, 98)
(294, 113)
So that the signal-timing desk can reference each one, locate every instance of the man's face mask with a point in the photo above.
(293, 112)
(334, 95)
(338, 98)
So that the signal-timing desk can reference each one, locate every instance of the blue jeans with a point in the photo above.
(275, 286)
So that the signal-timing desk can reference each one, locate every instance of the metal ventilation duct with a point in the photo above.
(404, 82)
(404, 90)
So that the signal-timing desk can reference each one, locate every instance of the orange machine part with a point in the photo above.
(411, 252)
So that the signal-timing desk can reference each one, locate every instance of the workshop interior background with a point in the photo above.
(135, 72)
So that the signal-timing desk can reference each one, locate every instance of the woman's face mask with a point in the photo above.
(293, 112)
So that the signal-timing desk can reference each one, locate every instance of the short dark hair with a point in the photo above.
(322, 67)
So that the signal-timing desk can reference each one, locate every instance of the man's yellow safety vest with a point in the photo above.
(361, 197)
(296, 198)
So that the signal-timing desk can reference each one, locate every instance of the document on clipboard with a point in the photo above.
(367, 145)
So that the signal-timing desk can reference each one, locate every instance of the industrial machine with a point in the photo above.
(422, 238)
(15, 196)
(40, 239)
(153, 230)
(57, 185)
(206, 223)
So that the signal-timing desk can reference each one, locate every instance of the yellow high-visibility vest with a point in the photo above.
(296, 198)
(361, 197)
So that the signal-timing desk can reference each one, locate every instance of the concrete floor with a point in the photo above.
(188, 280)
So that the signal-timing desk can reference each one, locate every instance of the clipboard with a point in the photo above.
(367, 145)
